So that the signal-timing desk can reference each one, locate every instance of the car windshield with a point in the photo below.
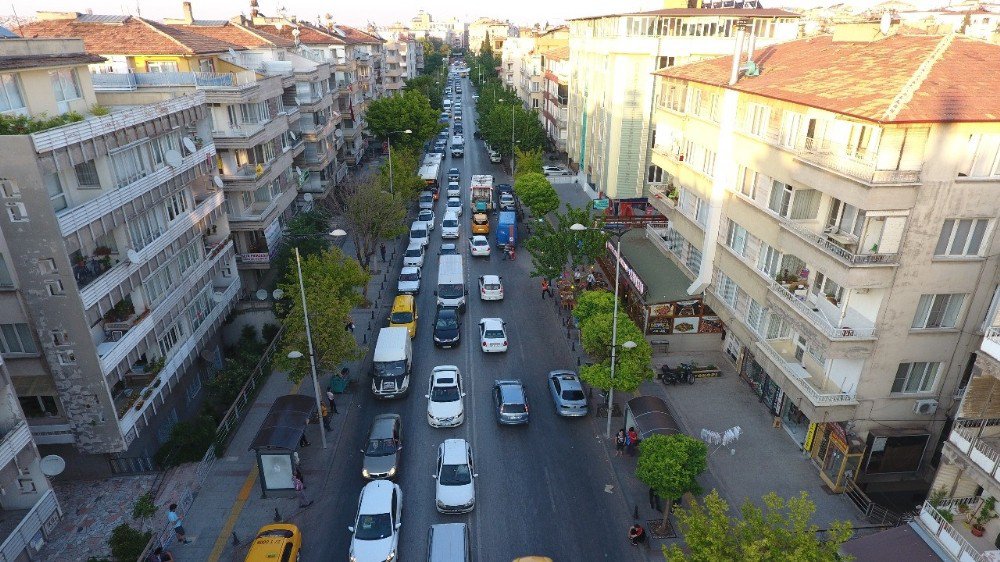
(418, 233)
(401, 317)
(494, 334)
(373, 527)
(454, 203)
(449, 223)
(446, 322)
(425, 216)
(409, 276)
(445, 394)
(426, 198)
(451, 291)
(455, 475)
(492, 286)
(380, 447)
(480, 243)
(413, 252)
(480, 219)
(513, 409)
(391, 368)
(572, 395)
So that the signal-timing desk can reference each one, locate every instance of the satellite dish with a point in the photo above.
(52, 465)
(338, 133)
(308, 197)
(885, 23)
(296, 32)
(277, 294)
(189, 145)
(217, 181)
(261, 295)
(173, 158)
(133, 256)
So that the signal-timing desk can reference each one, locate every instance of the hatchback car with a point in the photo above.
(409, 280)
(449, 226)
(506, 202)
(447, 327)
(419, 233)
(510, 402)
(454, 205)
(455, 488)
(490, 288)
(445, 401)
(479, 246)
(448, 249)
(426, 200)
(439, 147)
(454, 175)
(495, 157)
(414, 255)
(383, 448)
(454, 190)
(375, 533)
(427, 217)
(567, 394)
(493, 335)
(555, 171)
(282, 541)
(505, 188)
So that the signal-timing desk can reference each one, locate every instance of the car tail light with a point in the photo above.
(505, 342)
(483, 291)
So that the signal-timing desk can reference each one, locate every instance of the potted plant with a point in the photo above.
(984, 515)
(155, 366)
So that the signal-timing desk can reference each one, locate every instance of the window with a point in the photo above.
(56, 194)
(170, 339)
(781, 198)
(144, 229)
(176, 205)
(160, 145)
(755, 315)
(757, 119)
(129, 165)
(161, 66)
(534, 104)
(746, 182)
(188, 257)
(38, 406)
(736, 238)
(962, 237)
(708, 163)
(158, 284)
(727, 290)
(915, 377)
(6, 281)
(16, 338)
(65, 84)
(198, 310)
(694, 101)
(664, 62)
(693, 260)
(770, 260)
(938, 311)
(86, 174)
(10, 95)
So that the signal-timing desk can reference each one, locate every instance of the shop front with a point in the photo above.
(837, 454)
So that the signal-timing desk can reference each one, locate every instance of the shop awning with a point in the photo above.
(664, 281)
(284, 424)
(650, 415)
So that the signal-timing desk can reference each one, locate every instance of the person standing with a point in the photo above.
(174, 519)
(636, 534)
(300, 492)
(619, 442)
(349, 325)
(326, 417)
(546, 289)
(333, 405)
(160, 555)
(631, 441)
(381, 250)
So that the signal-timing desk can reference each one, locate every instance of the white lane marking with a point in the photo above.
(549, 488)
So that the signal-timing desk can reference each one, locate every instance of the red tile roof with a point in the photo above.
(42, 61)
(308, 34)
(559, 53)
(238, 35)
(898, 79)
(355, 35)
(703, 12)
(128, 36)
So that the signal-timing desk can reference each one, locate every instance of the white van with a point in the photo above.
(447, 104)
(449, 225)
(449, 542)
(418, 233)
(392, 362)
(450, 290)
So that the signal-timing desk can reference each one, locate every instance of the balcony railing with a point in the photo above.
(839, 158)
(818, 320)
(111, 82)
(967, 436)
(14, 439)
(948, 536)
(241, 131)
(31, 524)
(817, 396)
(823, 242)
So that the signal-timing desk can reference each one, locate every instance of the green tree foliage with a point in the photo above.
(496, 118)
(536, 193)
(430, 87)
(127, 542)
(308, 232)
(670, 465)
(333, 283)
(592, 303)
(144, 509)
(631, 365)
(409, 110)
(552, 244)
(782, 530)
(528, 161)
(373, 215)
(190, 439)
(405, 165)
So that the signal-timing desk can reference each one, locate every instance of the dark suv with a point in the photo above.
(511, 402)
(447, 327)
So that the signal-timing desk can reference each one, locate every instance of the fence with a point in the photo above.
(870, 510)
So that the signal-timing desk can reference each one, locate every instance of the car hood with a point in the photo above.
(372, 551)
(408, 285)
(443, 410)
(446, 333)
(456, 495)
(378, 465)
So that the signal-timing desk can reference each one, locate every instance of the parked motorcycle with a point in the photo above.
(676, 375)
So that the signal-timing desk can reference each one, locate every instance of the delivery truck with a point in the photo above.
(482, 193)
(507, 228)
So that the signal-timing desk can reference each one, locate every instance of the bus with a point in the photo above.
(430, 171)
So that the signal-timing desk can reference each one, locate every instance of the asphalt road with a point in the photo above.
(541, 488)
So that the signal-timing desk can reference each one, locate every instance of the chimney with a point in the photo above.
(188, 14)
(90, 11)
(734, 74)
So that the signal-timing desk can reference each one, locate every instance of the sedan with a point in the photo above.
(414, 255)
(447, 327)
(409, 280)
(454, 481)
(490, 288)
(427, 217)
(556, 171)
(454, 205)
(382, 452)
(375, 533)
(479, 246)
(445, 404)
(426, 200)
(282, 539)
(448, 249)
(567, 393)
(493, 335)
(454, 175)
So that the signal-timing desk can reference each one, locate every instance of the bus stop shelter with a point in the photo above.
(649, 415)
(277, 441)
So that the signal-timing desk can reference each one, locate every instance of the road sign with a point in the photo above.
(601, 204)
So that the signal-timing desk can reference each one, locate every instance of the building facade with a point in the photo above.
(497, 32)
(555, 96)
(843, 228)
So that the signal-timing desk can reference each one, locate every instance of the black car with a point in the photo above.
(505, 188)
(447, 327)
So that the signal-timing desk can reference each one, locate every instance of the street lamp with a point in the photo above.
(388, 142)
(312, 354)
(577, 227)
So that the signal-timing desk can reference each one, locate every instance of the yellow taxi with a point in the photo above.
(480, 223)
(404, 313)
(533, 559)
(276, 543)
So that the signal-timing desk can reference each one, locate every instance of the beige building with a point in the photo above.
(611, 84)
(497, 32)
(832, 199)
(451, 32)
(555, 85)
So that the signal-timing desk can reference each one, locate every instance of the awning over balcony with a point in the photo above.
(982, 399)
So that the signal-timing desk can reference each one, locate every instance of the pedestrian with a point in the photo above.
(177, 522)
(591, 280)
(619, 442)
(303, 442)
(326, 417)
(349, 326)
(160, 555)
(631, 441)
(381, 250)
(546, 289)
(636, 534)
(333, 405)
(300, 492)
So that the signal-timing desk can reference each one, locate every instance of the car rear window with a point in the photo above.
(494, 333)
(413, 253)
(283, 533)
(492, 286)
(513, 409)
(449, 223)
(572, 395)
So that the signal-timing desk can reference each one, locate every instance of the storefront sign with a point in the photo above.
(810, 435)
(601, 204)
(632, 275)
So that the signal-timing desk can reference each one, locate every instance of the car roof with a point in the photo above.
(415, 245)
(455, 199)
(444, 378)
(375, 496)
(454, 451)
(479, 236)
(450, 310)
(511, 390)
(491, 278)
(426, 193)
(382, 426)
(568, 381)
(492, 322)
(453, 169)
(418, 224)
(409, 269)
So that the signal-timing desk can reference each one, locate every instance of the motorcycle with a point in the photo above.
(676, 375)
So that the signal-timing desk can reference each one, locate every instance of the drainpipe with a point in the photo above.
(734, 73)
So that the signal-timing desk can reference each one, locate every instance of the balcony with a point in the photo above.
(991, 342)
(950, 532)
(843, 160)
(979, 440)
(262, 213)
(820, 391)
(15, 437)
(241, 131)
(30, 523)
(122, 82)
(663, 197)
(87, 269)
(823, 315)
(824, 242)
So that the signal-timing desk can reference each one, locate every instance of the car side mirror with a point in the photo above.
(433, 475)
(398, 525)
(350, 529)
(427, 395)
(476, 475)
(463, 394)
(362, 451)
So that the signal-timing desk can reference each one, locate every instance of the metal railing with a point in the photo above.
(823, 242)
(201, 80)
(871, 511)
(948, 536)
(816, 396)
(24, 533)
(846, 161)
(818, 320)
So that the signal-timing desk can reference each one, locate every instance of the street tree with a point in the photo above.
(549, 249)
(553, 244)
(528, 161)
(670, 465)
(405, 166)
(372, 215)
(631, 365)
(410, 110)
(589, 244)
(429, 87)
(535, 192)
(592, 303)
(782, 530)
(333, 282)
(496, 120)
(306, 231)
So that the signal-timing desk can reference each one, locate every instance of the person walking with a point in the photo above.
(349, 325)
(303, 441)
(174, 519)
(326, 417)
(619, 442)
(300, 492)
(381, 250)
(637, 535)
(546, 288)
(631, 441)
(160, 555)
(333, 405)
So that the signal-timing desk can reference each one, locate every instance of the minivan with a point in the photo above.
(404, 313)
(449, 226)
(449, 542)
(418, 233)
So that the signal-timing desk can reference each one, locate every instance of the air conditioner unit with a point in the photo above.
(925, 407)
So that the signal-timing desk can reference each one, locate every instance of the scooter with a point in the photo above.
(682, 373)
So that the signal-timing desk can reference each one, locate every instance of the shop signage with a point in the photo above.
(601, 204)
(629, 272)
(810, 435)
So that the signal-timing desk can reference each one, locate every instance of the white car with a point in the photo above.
(490, 288)
(455, 487)
(419, 233)
(375, 533)
(409, 280)
(445, 402)
(506, 203)
(479, 245)
(454, 190)
(454, 205)
(427, 217)
(414, 255)
(450, 226)
(556, 171)
(494, 156)
(426, 200)
(493, 335)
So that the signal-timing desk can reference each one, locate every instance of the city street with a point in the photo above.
(541, 488)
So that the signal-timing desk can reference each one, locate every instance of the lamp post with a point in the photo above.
(388, 142)
(312, 354)
(577, 227)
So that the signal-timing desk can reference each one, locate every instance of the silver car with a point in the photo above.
(510, 402)
(567, 393)
(426, 200)
(382, 450)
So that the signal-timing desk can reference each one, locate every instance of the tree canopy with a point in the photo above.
(430, 87)
(372, 215)
(670, 466)
(405, 166)
(631, 365)
(536, 193)
(592, 303)
(553, 245)
(409, 110)
(528, 161)
(782, 530)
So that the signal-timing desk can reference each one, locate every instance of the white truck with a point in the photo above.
(392, 363)
(457, 146)
(481, 193)
(430, 171)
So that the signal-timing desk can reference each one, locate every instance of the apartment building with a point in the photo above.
(451, 32)
(401, 51)
(832, 198)
(514, 59)
(555, 97)
(495, 30)
(611, 83)
(118, 261)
